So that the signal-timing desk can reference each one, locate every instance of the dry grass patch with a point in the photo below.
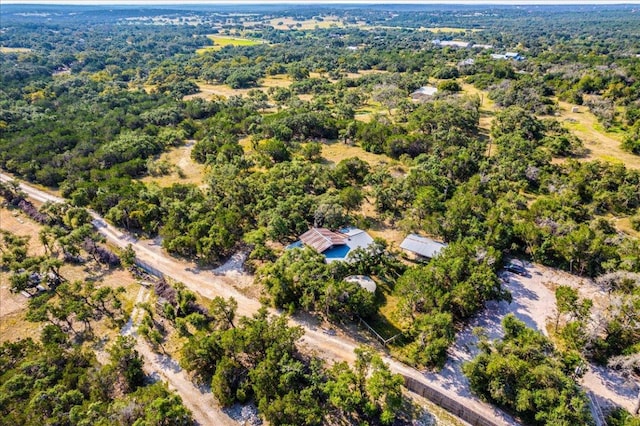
(308, 24)
(601, 145)
(456, 30)
(221, 41)
(278, 80)
(4, 49)
(215, 91)
(486, 103)
(13, 307)
(185, 170)
(624, 224)
(334, 152)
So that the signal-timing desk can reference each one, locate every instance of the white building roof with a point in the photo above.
(426, 91)
(363, 281)
(354, 238)
(423, 246)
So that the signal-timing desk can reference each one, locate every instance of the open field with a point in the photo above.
(307, 24)
(4, 49)
(210, 91)
(334, 152)
(602, 145)
(221, 41)
(439, 30)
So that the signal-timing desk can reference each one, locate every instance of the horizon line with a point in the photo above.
(318, 2)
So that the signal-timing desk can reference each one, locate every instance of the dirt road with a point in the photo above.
(208, 284)
(203, 406)
(534, 303)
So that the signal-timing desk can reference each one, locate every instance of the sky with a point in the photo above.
(263, 2)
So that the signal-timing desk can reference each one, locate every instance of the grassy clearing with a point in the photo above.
(334, 152)
(456, 30)
(384, 322)
(486, 104)
(308, 24)
(601, 144)
(624, 225)
(185, 169)
(4, 49)
(488, 107)
(221, 41)
(211, 91)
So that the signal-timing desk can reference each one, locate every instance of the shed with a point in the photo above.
(422, 246)
(424, 92)
(363, 281)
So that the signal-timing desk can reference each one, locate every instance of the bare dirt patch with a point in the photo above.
(534, 303)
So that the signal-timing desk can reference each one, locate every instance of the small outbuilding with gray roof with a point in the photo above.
(422, 247)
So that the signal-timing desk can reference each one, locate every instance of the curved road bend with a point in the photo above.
(207, 284)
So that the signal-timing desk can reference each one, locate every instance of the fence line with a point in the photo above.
(449, 404)
(384, 341)
(596, 412)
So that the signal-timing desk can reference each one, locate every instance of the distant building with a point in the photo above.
(512, 56)
(451, 43)
(482, 46)
(424, 92)
(334, 245)
(467, 62)
(422, 247)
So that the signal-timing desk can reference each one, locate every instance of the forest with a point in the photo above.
(219, 130)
